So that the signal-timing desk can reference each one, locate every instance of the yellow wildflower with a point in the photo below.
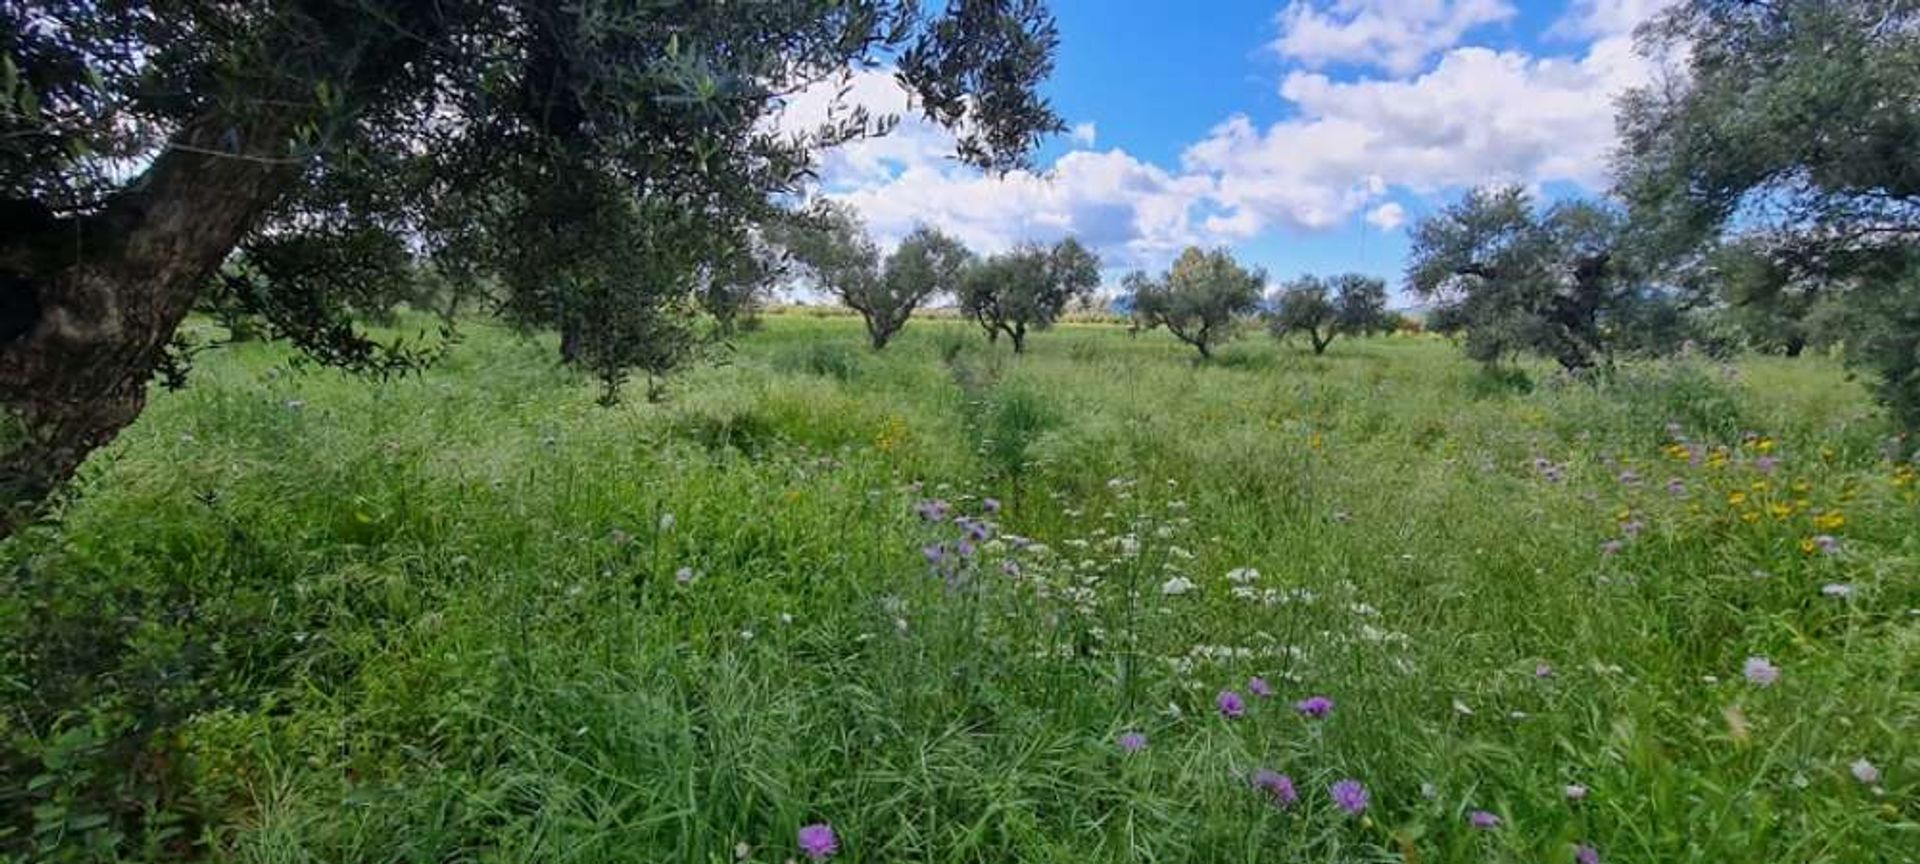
(1830, 520)
(1736, 497)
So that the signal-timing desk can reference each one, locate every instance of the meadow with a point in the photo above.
(1093, 603)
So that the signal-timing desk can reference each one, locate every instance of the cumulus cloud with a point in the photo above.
(1600, 19)
(1479, 115)
(1397, 36)
(1084, 134)
(1388, 216)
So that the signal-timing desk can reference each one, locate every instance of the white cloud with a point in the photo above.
(1600, 19)
(1388, 216)
(1084, 134)
(1478, 116)
(1397, 36)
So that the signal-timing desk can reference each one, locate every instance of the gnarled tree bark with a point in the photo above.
(92, 301)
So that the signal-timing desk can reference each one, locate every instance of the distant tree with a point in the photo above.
(1199, 299)
(1795, 124)
(1028, 288)
(141, 144)
(733, 288)
(830, 245)
(1513, 280)
(1349, 304)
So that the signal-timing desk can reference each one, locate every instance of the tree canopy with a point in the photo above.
(586, 159)
(1027, 288)
(1791, 130)
(1350, 304)
(1199, 298)
(831, 247)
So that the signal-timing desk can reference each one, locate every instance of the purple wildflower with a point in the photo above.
(1314, 706)
(1132, 742)
(1483, 820)
(1630, 477)
(1230, 704)
(1584, 854)
(979, 531)
(1760, 672)
(1765, 464)
(1350, 795)
(1543, 671)
(990, 505)
(818, 842)
(936, 553)
(1677, 487)
(1258, 686)
(1277, 785)
(933, 510)
(1010, 568)
(1827, 543)
(964, 547)
(1633, 528)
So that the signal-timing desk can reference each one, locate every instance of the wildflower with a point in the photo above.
(933, 510)
(1584, 854)
(1864, 771)
(666, 522)
(1633, 528)
(1677, 487)
(1611, 547)
(1765, 464)
(964, 547)
(1429, 791)
(1243, 575)
(742, 851)
(1736, 498)
(1259, 687)
(1349, 795)
(818, 842)
(1314, 706)
(1230, 704)
(1010, 568)
(1543, 671)
(1176, 586)
(1576, 792)
(1132, 742)
(684, 576)
(1483, 820)
(1629, 477)
(1760, 672)
(990, 505)
(1826, 543)
(1277, 785)
(1830, 520)
(1837, 590)
(936, 553)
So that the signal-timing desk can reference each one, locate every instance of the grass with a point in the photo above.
(470, 616)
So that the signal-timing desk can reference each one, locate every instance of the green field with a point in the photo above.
(471, 616)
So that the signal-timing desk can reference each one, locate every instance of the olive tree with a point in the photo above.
(1028, 288)
(1199, 299)
(1791, 127)
(1348, 304)
(831, 248)
(1515, 280)
(586, 157)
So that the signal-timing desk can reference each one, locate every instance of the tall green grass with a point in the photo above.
(471, 616)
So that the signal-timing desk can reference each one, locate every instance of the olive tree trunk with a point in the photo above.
(95, 300)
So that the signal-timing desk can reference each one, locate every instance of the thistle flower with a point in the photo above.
(1278, 786)
(1760, 672)
(1349, 795)
(933, 510)
(1314, 706)
(1230, 704)
(990, 505)
(1259, 687)
(1584, 854)
(1132, 742)
(1483, 820)
(818, 842)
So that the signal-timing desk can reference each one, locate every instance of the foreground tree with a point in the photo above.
(1348, 304)
(1792, 126)
(1028, 288)
(1515, 281)
(831, 247)
(1200, 299)
(141, 144)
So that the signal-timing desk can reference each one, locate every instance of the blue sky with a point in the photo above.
(1304, 134)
